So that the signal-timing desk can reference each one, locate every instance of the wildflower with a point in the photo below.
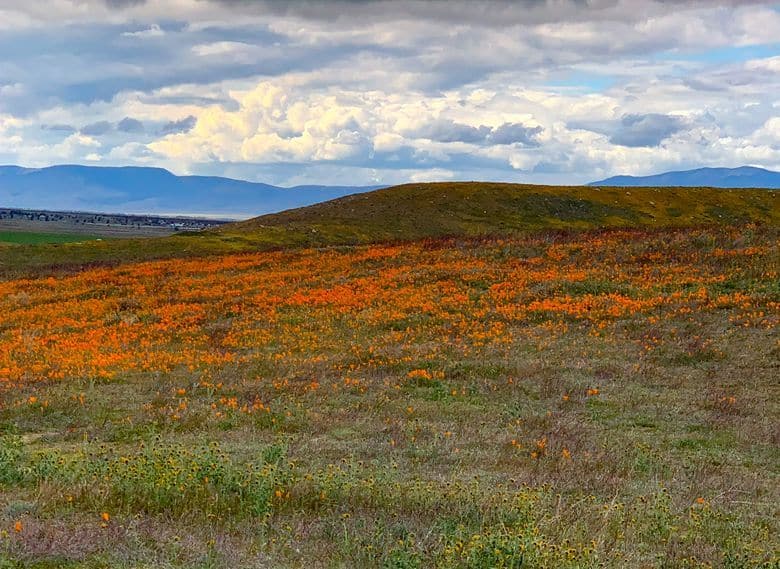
(18, 526)
(105, 516)
(419, 374)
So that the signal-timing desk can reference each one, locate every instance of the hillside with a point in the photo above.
(743, 177)
(151, 190)
(476, 208)
(415, 211)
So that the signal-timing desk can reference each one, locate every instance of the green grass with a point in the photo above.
(37, 238)
(416, 211)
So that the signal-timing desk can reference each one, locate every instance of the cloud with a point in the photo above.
(59, 128)
(179, 126)
(122, 4)
(534, 90)
(444, 130)
(493, 13)
(151, 32)
(646, 130)
(130, 125)
(515, 133)
(97, 128)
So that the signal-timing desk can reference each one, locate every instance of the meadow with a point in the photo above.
(36, 237)
(554, 398)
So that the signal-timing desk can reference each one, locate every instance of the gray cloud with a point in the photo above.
(66, 128)
(515, 133)
(183, 125)
(646, 130)
(129, 125)
(121, 4)
(485, 13)
(445, 130)
(493, 13)
(97, 128)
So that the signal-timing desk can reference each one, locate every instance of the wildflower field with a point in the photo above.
(546, 399)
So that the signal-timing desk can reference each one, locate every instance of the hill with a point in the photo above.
(744, 177)
(476, 208)
(151, 190)
(417, 211)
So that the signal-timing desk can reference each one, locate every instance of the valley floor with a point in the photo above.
(604, 398)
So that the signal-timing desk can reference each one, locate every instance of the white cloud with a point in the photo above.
(152, 31)
(432, 175)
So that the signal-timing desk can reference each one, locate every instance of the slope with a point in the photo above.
(475, 208)
(417, 211)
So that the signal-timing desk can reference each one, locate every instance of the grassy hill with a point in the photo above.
(476, 208)
(415, 211)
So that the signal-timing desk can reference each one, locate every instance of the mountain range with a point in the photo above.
(152, 190)
(743, 177)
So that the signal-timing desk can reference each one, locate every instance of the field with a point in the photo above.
(57, 227)
(561, 397)
(35, 238)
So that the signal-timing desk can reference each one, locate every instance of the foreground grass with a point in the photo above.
(551, 400)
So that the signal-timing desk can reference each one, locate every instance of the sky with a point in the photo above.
(356, 92)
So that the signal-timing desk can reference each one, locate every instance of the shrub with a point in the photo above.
(175, 480)
(11, 460)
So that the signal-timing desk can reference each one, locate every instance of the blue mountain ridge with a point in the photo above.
(743, 177)
(133, 189)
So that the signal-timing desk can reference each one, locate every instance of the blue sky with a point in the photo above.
(375, 92)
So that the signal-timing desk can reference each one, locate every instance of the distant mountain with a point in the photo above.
(152, 190)
(744, 177)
